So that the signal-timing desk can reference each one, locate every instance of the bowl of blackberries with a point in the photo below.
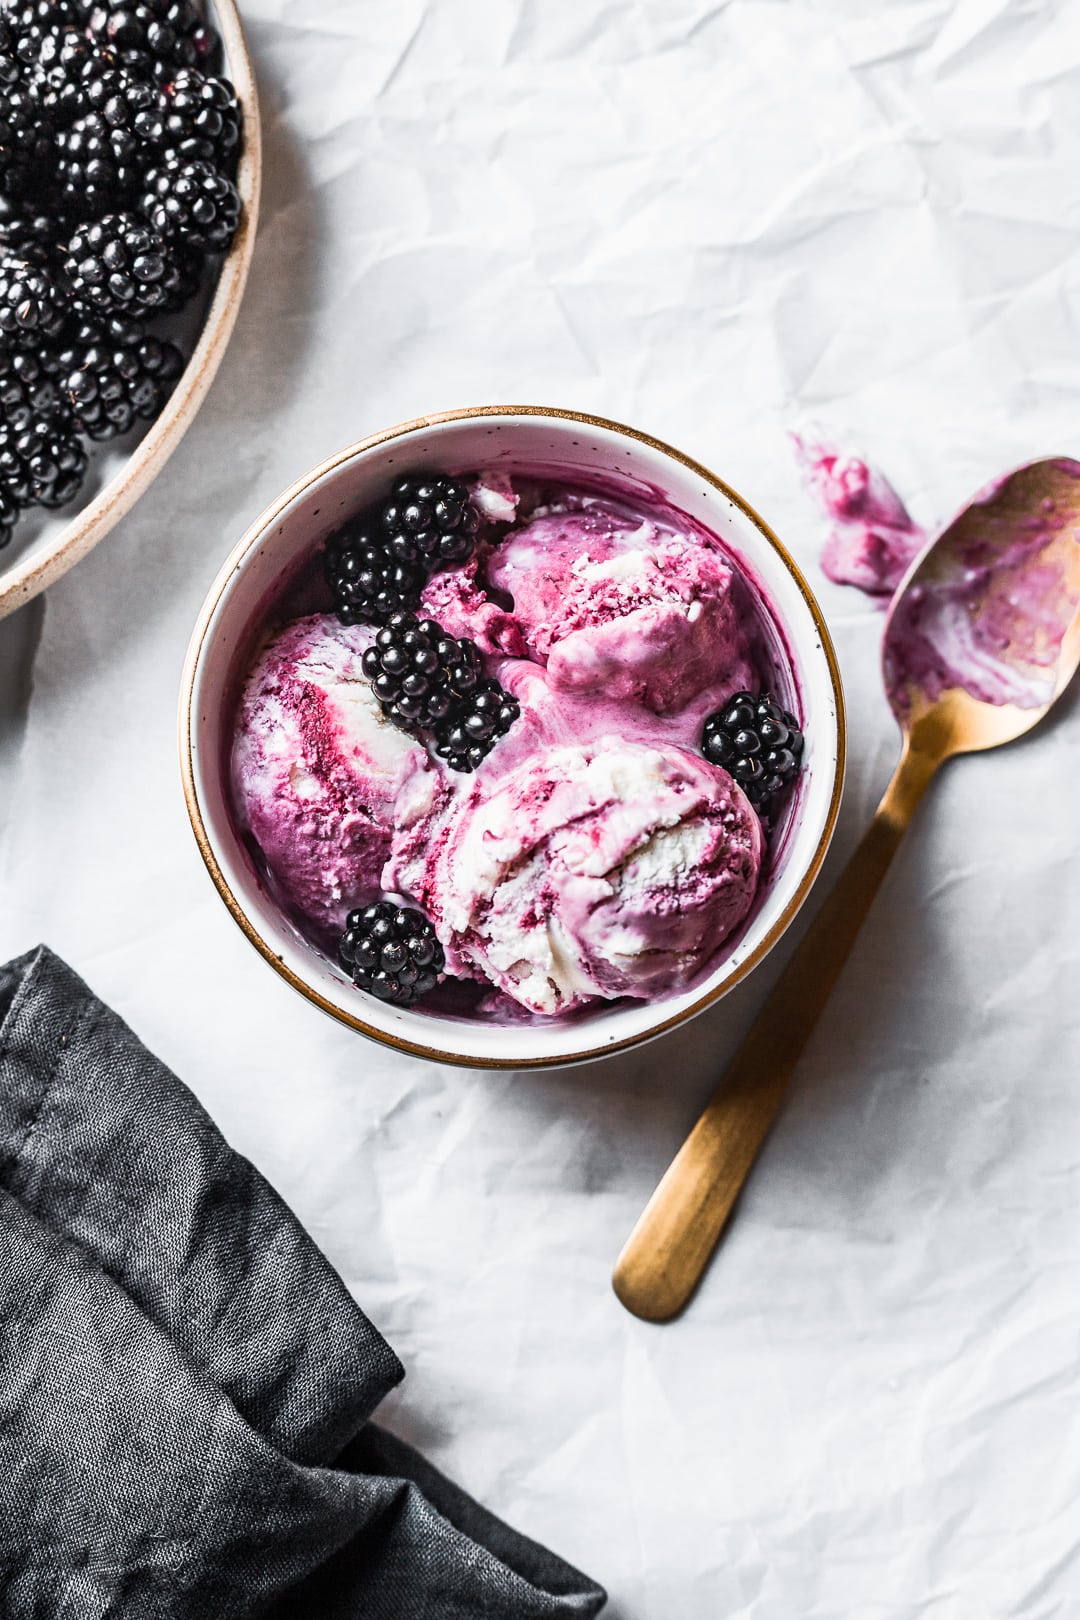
(129, 166)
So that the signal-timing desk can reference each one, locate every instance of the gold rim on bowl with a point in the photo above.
(31, 575)
(187, 742)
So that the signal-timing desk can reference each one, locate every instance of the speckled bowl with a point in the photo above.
(47, 544)
(568, 444)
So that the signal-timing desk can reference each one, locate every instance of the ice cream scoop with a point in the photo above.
(983, 637)
(622, 605)
(606, 869)
(317, 769)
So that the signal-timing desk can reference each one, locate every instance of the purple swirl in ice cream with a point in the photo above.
(595, 854)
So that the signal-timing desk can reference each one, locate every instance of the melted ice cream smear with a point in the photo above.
(872, 539)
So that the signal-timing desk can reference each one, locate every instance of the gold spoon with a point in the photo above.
(982, 638)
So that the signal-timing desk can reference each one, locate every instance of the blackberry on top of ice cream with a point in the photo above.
(391, 952)
(473, 727)
(378, 563)
(417, 673)
(426, 680)
(757, 742)
(429, 521)
(369, 585)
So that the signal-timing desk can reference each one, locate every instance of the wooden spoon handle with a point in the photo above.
(669, 1247)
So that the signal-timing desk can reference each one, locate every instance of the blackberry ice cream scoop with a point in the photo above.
(318, 769)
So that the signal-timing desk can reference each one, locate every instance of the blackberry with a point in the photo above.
(391, 952)
(25, 148)
(369, 586)
(97, 165)
(93, 326)
(158, 35)
(10, 66)
(125, 96)
(30, 26)
(192, 202)
(426, 680)
(418, 674)
(27, 389)
(94, 82)
(120, 265)
(44, 14)
(110, 386)
(33, 304)
(30, 237)
(66, 61)
(42, 464)
(9, 515)
(429, 521)
(53, 59)
(200, 119)
(473, 727)
(757, 742)
(101, 154)
(59, 36)
(69, 77)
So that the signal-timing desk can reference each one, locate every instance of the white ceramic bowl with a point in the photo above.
(568, 444)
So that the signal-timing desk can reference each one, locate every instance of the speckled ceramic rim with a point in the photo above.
(521, 1060)
(31, 575)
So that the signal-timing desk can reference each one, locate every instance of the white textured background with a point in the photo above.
(715, 222)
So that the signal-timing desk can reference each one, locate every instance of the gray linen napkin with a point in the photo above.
(185, 1383)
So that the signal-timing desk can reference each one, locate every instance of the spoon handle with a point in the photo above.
(669, 1247)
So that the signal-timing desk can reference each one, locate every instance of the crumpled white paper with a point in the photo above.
(715, 221)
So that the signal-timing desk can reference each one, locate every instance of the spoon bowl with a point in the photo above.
(983, 634)
(982, 638)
